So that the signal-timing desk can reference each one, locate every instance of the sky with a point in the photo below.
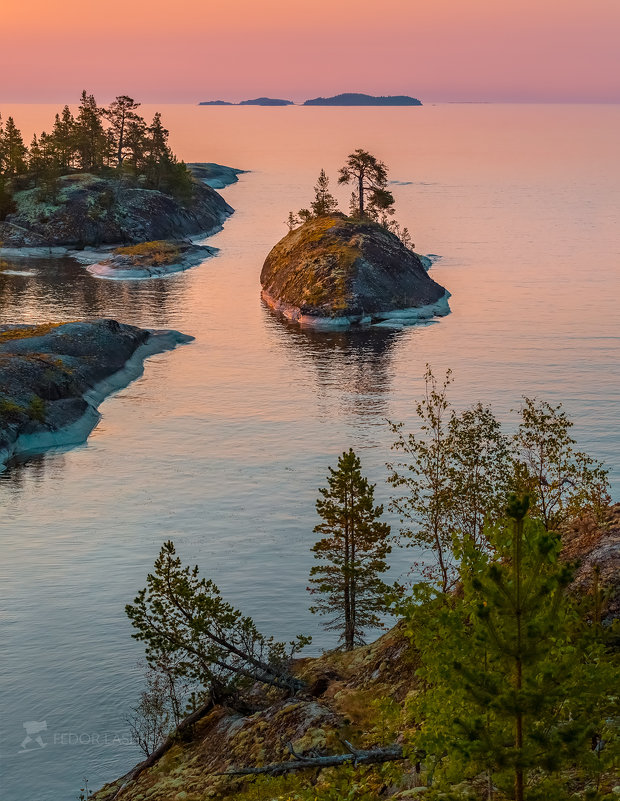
(190, 50)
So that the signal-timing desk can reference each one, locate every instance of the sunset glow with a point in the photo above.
(190, 50)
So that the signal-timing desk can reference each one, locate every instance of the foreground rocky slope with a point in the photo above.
(340, 704)
(335, 270)
(91, 210)
(53, 377)
(358, 697)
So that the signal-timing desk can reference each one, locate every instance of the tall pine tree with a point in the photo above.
(352, 553)
(517, 685)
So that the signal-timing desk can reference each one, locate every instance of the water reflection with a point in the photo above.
(352, 367)
(61, 289)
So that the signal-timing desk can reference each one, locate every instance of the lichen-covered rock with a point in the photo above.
(150, 259)
(92, 210)
(53, 376)
(335, 269)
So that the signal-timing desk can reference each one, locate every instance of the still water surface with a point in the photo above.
(221, 445)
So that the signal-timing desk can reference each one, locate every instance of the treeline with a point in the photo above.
(517, 679)
(114, 141)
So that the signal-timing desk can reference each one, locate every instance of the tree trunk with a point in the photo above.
(519, 666)
(360, 189)
(348, 627)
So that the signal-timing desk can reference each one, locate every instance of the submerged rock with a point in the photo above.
(335, 270)
(90, 210)
(53, 377)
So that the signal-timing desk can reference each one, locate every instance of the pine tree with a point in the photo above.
(35, 160)
(2, 147)
(369, 176)
(63, 136)
(7, 205)
(14, 150)
(120, 114)
(136, 144)
(183, 619)
(324, 202)
(352, 553)
(158, 159)
(517, 686)
(90, 138)
(292, 221)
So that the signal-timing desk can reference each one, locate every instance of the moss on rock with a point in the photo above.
(339, 267)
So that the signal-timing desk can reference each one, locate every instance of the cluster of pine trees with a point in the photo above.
(371, 200)
(112, 140)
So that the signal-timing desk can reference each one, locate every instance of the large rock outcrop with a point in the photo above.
(335, 270)
(53, 377)
(90, 210)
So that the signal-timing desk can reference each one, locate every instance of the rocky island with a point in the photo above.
(332, 270)
(90, 210)
(86, 187)
(338, 271)
(54, 376)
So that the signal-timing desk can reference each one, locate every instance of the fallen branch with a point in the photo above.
(355, 756)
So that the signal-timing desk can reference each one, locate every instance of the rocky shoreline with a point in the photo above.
(54, 376)
(92, 215)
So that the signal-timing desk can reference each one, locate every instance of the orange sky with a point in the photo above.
(188, 50)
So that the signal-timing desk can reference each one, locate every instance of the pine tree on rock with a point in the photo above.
(324, 202)
(183, 617)
(369, 177)
(120, 114)
(91, 140)
(14, 150)
(352, 553)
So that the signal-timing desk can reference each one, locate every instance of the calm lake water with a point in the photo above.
(221, 445)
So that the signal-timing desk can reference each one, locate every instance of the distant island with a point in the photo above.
(356, 99)
(258, 101)
(266, 101)
(346, 99)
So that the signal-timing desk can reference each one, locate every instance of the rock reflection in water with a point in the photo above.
(61, 289)
(352, 367)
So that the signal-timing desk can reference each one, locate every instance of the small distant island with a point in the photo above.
(266, 101)
(259, 101)
(357, 99)
(332, 270)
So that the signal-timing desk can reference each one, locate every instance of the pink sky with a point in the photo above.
(191, 50)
